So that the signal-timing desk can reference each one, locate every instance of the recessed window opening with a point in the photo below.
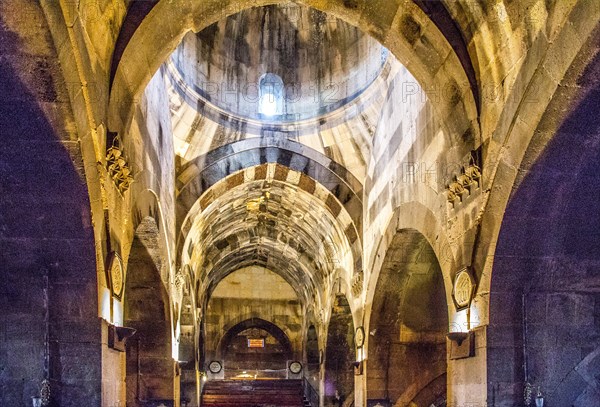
(271, 95)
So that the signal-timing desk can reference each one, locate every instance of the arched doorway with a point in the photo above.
(150, 368)
(406, 362)
(255, 348)
(339, 353)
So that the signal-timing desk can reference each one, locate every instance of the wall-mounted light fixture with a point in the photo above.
(118, 336)
(539, 399)
(358, 367)
(462, 344)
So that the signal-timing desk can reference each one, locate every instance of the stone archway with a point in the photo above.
(543, 308)
(406, 361)
(397, 26)
(150, 368)
(339, 352)
(264, 361)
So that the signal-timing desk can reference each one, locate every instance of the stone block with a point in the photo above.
(73, 302)
(80, 394)
(155, 388)
(157, 366)
(505, 364)
(76, 363)
(503, 337)
(568, 390)
(504, 394)
(76, 330)
(563, 308)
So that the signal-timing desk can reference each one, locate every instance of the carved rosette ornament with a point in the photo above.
(117, 276)
(463, 289)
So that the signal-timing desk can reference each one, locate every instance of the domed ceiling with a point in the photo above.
(277, 63)
(273, 110)
(280, 72)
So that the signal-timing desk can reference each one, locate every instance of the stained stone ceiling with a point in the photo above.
(280, 190)
(334, 82)
(273, 224)
(322, 62)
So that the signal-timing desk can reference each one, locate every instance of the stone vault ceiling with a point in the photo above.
(334, 80)
(281, 191)
(273, 224)
(322, 62)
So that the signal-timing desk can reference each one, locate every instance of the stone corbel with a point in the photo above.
(118, 335)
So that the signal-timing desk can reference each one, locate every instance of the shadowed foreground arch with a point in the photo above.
(545, 291)
(49, 325)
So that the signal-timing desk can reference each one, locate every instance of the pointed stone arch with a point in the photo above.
(407, 326)
(150, 369)
(339, 352)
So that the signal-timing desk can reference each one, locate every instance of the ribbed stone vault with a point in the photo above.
(274, 224)
(297, 164)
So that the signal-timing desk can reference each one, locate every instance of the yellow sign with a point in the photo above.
(256, 343)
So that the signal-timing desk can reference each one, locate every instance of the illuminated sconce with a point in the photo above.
(539, 399)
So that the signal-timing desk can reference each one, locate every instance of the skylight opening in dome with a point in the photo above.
(268, 104)
(271, 91)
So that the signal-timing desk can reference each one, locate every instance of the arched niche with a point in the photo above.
(312, 351)
(406, 361)
(271, 95)
(242, 359)
(150, 368)
(339, 352)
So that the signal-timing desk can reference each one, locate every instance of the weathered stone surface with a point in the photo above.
(511, 87)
